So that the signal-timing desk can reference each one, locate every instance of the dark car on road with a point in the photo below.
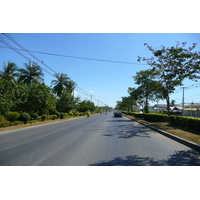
(117, 113)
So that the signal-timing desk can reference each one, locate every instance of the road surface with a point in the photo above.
(100, 140)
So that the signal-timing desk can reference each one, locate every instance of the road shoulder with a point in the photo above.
(171, 135)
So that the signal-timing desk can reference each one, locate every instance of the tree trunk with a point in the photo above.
(146, 109)
(168, 105)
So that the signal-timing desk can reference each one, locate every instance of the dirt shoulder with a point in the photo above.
(177, 131)
(10, 128)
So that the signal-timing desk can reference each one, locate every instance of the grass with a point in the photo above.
(10, 128)
(181, 132)
(165, 126)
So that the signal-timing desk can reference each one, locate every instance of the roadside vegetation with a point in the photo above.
(169, 66)
(25, 98)
(187, 128)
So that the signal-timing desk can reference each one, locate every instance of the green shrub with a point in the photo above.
(2, 118)
(33, 121)
(58, 114)
(76, 113)
(61, 115)
(18, 122)
(6, 124)
(70, 113)
(186, 122)
(66, 115)
(181, 121)
(12, 116)
(153, 117)
(43, 117)
(25, 117)
(53, 117)
(34, 116)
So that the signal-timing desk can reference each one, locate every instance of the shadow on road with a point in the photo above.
(127, 131)
(119, 120)
(179, 158)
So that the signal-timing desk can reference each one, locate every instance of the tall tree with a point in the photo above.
(149, 88)
(32, 74)
(173, 65)
(9, 72)
(66, 102)
(133, 97)
(36, 97)
(6, 96)
(85, 106)
(63, 81)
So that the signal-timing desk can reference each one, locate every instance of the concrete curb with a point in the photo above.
(176, 138)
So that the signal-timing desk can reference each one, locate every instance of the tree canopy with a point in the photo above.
(169, 66)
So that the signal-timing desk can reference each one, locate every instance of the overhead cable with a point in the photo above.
(11, 47)
(83, 58)
(24, 49)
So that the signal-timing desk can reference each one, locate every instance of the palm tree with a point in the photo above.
(71, 86)
(32, 73)
(62, 82)
(9, 72)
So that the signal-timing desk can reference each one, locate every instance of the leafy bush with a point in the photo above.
(33, 121)
(2, 118)
(65, 115)
(6, 124)
(53, 117)
(153, 117)
(43, 117)
(25, 117)
(186, 122)
(181, 121)
(18, 122)
(81, 113)
(12, 116)
(61, 115)
(70, 113)
(34, 116)
(58, 114)
(76, 113)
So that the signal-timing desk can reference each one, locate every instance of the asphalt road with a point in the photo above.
(100, 140)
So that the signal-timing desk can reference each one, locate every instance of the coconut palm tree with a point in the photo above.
(9, 72)
(32, 74)
(62, 82)
(71, 86)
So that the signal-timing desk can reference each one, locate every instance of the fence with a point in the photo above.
(192, 113)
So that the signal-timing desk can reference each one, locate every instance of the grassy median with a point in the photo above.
(186, 134)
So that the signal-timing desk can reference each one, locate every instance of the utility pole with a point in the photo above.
(91, 97)
(183, 106)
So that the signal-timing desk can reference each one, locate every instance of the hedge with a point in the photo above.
(6, 124)
(181, 121)
(187, 122)
(25, 117)
(12, 116)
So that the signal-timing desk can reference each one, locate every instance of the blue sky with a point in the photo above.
(106, 81)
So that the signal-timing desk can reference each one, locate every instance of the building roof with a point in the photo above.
(193, 105)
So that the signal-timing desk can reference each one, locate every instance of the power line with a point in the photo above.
(17, 51)
(11, 47)
(83, 58)
(24, 49)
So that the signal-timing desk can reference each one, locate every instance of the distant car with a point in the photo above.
(117, 113)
